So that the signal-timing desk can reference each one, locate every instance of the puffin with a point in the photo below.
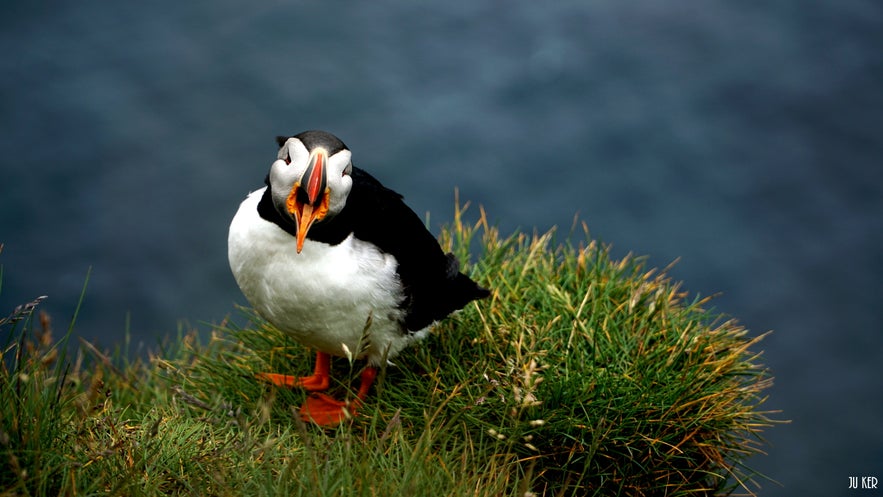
(328, 255)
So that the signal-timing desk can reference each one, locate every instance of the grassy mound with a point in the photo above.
(581, 375)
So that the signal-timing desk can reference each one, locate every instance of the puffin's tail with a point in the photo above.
(437, 301)
(461, 289)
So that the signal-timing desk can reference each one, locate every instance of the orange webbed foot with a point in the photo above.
(320, 379)
(320, 408)
(312, 383)
(327, 411)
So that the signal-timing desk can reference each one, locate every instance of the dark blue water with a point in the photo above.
(743, 137)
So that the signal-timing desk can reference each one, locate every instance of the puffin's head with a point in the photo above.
(310, 179)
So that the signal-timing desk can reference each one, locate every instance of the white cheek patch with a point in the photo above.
(338, 162)
(340, 184)
(297, 151)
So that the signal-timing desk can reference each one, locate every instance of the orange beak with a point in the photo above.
(309, 203)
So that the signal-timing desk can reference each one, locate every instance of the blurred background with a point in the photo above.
(742, 137)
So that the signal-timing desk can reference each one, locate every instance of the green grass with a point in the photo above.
(581, 375)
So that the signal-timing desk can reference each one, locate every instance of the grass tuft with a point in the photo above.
(581, 375)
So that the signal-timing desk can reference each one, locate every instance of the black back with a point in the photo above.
(433, 284)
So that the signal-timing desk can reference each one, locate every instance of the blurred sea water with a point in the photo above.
(743, 138)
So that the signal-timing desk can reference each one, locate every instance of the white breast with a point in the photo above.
(322, 296)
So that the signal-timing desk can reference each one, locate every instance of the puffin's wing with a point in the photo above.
(382, 218)
(433, 284)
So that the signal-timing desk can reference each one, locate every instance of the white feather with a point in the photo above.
(324, 296)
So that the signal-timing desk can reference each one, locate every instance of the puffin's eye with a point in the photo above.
(287, 157)
(347, 170)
